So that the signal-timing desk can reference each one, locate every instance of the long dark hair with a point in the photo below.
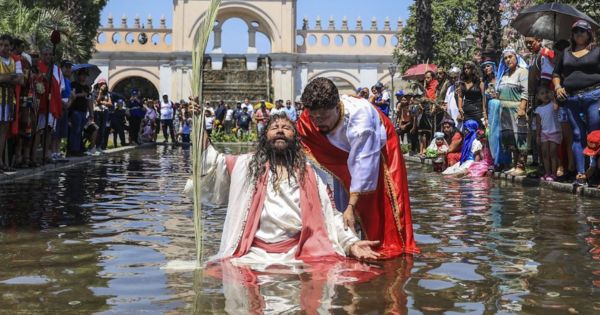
(293, 157)
(591, 40)
(473, 76)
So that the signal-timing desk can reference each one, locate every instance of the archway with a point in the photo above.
(267, 31)
(146, 89)
(343, 85)
(344, 81)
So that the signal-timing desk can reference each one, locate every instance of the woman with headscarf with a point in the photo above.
(576, 81)
(511, 86)
(454, 139)
(501, 158)
(471, 150)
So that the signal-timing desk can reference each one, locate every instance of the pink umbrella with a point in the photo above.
(417, 72)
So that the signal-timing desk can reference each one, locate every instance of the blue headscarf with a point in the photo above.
(470, 126)
(503, 68)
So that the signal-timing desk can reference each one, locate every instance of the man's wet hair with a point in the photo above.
(293, 156)
(320, 93)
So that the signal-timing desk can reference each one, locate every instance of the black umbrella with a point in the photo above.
(550, 21)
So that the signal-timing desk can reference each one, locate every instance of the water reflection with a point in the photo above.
(92, 239)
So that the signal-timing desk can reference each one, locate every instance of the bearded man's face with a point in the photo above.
(280, 135)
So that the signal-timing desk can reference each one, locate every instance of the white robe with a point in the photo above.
(362, 134)
(280, 217)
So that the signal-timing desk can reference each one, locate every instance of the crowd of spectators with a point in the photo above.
(243, 118)
(50, 111)
(498, 116)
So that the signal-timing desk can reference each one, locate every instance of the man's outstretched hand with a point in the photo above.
(363, 250)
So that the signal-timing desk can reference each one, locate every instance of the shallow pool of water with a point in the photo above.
(93, 239)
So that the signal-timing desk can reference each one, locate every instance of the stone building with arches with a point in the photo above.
(353, 56)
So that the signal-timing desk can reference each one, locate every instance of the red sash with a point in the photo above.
(384, 214)
(313, 242)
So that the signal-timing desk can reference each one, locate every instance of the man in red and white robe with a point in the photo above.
(358, 145)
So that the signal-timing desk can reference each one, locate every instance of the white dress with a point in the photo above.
(463, 168)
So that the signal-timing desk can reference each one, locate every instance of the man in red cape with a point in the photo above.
(358, 145)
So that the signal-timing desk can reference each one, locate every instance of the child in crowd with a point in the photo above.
(209, 119)
(148, 132)
(440, 147)
(186, 128)
(593, 151)
(549, 134)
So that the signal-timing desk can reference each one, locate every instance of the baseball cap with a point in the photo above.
(593, 143)
(582, 24)
(400, 93)
(379, 85)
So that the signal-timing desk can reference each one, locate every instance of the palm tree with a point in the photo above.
(489, 28)
(424, 38)
(34, 25)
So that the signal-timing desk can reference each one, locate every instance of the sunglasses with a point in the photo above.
(579, 30)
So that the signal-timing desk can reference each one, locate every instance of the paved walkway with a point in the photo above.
(526, 181)
(29, 172)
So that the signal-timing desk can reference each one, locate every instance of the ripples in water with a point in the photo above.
(93, 239)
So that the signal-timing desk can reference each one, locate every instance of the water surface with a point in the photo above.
(92, 239)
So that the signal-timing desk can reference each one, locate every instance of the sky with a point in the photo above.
(234, 36)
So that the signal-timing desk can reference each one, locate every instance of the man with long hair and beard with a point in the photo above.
(279, 210)
(359, 146)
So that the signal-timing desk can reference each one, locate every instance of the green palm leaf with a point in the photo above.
(200, 42)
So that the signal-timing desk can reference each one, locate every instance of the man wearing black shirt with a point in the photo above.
(243, 120)
(80, 108)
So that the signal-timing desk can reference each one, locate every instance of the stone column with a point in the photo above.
(166, 80)
(368, 74)
(252, 40)
(283, 77)
(217, 39)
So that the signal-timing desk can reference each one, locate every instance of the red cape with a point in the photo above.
(51, 88)
(385, 214)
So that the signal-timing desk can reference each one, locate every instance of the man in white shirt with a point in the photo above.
(249, 106)
(278, 108)
(290, 111)
(167, 114)
(358, 144)
(450, 104)
(228, 122)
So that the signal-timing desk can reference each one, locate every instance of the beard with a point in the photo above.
(281, 149)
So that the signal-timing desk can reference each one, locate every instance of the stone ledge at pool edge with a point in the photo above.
(526, 181)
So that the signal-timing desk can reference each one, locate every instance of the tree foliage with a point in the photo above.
(78, 21)
(452, 20)
(424, 28)
(489, 28)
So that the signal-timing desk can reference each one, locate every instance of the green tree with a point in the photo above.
(452, 20)
(84, 15)
(424, 24)
(489, 28)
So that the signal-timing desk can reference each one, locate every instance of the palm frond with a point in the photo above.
(198, 134)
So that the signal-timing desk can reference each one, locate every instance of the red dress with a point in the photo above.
(454, 157)
(384, 214)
